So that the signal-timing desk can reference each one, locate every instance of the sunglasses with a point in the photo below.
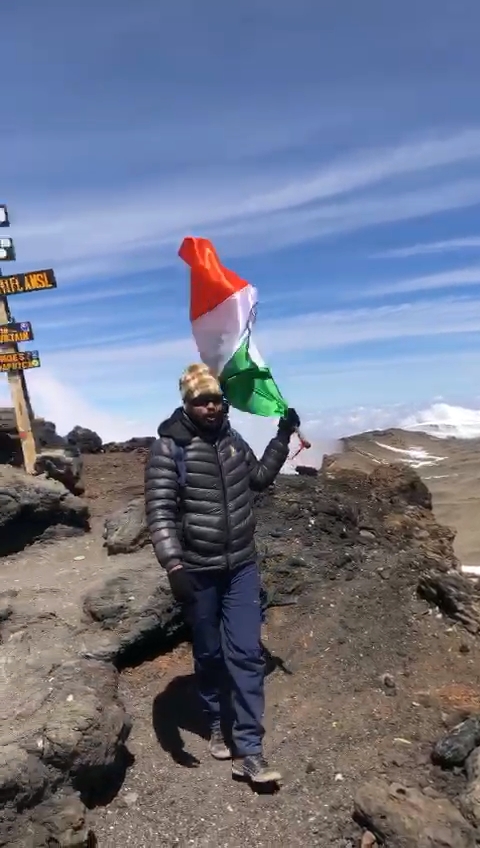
(205, 400)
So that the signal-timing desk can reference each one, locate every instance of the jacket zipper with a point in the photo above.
(225, 505)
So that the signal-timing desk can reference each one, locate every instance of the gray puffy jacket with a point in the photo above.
(208, 522)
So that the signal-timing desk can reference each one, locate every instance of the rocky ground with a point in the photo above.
(450, 468)
(365, 676)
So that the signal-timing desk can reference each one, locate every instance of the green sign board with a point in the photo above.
(19, 360)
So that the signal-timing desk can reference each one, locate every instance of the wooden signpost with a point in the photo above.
(12, 361)
(15, 332)
(17, 360)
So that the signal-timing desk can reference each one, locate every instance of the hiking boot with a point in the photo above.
(217, 745)
(255, 768)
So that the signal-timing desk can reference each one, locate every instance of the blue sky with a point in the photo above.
(330, 150)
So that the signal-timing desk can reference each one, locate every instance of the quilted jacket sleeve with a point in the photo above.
(161, 503)
(264, 471)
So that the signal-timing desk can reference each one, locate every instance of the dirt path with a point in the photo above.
(54, 577)
(331, 724)
(332, 721)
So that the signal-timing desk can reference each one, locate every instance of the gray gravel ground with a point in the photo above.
(331, 725)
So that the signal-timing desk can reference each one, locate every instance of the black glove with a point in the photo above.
(181, 585)
(289, 423)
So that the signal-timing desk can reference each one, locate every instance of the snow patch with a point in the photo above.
(414, 457)
(470, 570)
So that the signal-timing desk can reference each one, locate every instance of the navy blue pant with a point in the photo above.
(226, 620)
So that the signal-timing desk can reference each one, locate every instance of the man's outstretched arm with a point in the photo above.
(161, 497)
(264, 471)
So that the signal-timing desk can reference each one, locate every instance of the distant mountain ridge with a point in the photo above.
(449, 466)
(406, 447)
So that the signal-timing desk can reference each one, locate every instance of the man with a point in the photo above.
(199, 481)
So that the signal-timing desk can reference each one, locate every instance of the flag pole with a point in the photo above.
(305, 444)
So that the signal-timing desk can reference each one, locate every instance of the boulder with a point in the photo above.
(46, 436)
(306, 470)
(142, 443)
(60, 823)
(29, 506)
(454, 594)
(400, 485)
(62, 729)
(132, 613)
(126, 529)
(470, 800)
(64, 465)
(88, 441)
(403, 817)
(453, 749)
(10, 449)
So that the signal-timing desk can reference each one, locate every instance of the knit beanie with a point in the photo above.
(198, 380)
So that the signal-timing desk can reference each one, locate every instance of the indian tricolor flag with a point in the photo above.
(222, 312)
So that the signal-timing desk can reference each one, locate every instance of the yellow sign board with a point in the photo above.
(16, 332)
(19, 360)
(30, 282)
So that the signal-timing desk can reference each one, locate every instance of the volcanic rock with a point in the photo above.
(454, 748)
(126, 530)
(306, 470)
(137, 443)
(10, 449)
(454, 594)
(132, 612)
(46, 436)
(88, 441)
(29, 506)
(64, 465)
(63, 728)
(470, 800)
(404, 817)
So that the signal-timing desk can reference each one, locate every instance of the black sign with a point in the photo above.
(30, 282)
(4, 222)
(7, 250)
(19, 361)
(14, 333)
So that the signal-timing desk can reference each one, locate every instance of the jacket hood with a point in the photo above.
(182, 429)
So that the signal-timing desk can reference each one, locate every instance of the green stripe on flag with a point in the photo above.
(250, 387)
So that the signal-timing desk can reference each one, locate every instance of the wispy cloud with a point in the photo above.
(313, 331)
(447, 246)
(441, 280)
(87, 297)
(374, 367)
(317, 330)
(141, 228)
(298, 170)
(369, 167)
(284, 228)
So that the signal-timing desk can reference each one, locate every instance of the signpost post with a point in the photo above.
(13, 361)
(20, 400)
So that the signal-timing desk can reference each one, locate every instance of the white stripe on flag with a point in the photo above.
(219, 333)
